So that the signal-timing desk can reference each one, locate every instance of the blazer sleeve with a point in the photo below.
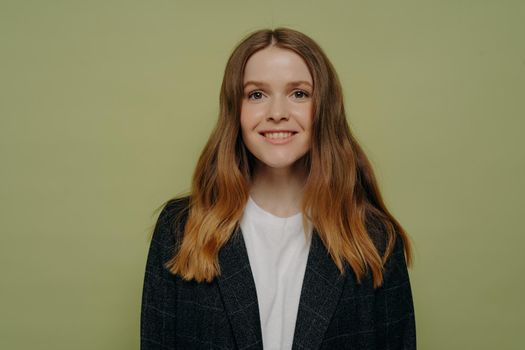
(394, 308)
(159, 294)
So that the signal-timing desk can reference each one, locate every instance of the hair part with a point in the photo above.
(341, 197)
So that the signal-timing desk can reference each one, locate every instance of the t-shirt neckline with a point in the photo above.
(257, 208)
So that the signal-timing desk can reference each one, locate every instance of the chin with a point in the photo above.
(275, 164)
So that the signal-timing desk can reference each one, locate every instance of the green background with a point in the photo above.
(106, 105)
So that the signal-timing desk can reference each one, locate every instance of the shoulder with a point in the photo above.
(176, 209)
(376, 227)
(171, 220)
(384, 234)
(390, 245)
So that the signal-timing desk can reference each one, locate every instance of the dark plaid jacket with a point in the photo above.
(334, 312)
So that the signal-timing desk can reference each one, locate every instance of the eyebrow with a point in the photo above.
(290, 84)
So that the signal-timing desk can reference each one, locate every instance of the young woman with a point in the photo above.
(284, 241)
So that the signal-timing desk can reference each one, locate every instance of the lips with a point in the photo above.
(278, 135)
(262, 132)
(278, 138)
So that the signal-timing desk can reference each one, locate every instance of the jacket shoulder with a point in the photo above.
(177, 208)
(377, 231)
(377, 228)
(172, 220)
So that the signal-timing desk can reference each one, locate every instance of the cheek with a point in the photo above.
(248, 120)
(244, 121)
(245, 125)
(307, 119)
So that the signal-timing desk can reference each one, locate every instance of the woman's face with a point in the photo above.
(277, 107)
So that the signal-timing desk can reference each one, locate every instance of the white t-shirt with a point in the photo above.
(278, 252)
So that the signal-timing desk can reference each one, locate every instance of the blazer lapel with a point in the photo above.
(320, 294)
(237, 288)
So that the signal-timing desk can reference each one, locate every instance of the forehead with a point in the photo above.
(276, 64)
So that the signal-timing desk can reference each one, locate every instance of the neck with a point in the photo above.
(279, 190)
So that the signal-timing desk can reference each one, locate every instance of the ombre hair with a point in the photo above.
(341, 195)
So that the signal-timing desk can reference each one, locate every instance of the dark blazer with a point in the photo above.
(334, 312)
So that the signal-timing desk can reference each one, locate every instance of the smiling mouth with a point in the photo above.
(278, 135)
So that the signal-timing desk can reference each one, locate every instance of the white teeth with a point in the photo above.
(277, 135)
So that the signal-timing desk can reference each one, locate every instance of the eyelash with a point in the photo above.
(250, 94)
(305, 94)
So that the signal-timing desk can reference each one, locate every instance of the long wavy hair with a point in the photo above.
(341, 194)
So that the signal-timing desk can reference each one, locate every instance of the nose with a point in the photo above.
(278, 109)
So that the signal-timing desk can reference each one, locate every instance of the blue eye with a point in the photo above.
(255, 95)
